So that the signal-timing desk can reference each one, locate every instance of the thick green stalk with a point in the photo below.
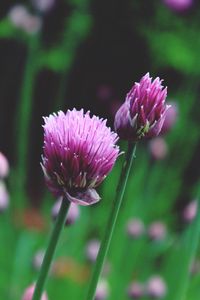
(51, 249)
(112, 220)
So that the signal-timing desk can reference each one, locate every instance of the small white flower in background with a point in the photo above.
(20, 17)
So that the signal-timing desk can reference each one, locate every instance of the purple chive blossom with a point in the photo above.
(143, 112)
(79, 152)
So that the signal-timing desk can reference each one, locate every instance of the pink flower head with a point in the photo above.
(179, 5)
(143, 112)
(79, 152)
(28, 294)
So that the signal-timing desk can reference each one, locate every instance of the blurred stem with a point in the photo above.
(23, 117)
(51, 249)
(112, 220)
(189, 247)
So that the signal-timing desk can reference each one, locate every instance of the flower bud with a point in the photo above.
(28, 294)
(143, 112)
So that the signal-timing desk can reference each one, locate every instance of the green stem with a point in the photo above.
(51, 249)
(112, 220)
(23, 116)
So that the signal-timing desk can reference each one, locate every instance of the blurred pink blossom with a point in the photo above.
(28, 294)
(4, 197)
(157, 231)
(179, 5)
(4, 166)
(135, 228)
(156, 287)
(190, 211)
(136, 290)
(158, 148)
(102, 291)
(72, 215)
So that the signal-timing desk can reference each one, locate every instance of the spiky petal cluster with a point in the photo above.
(143, 112)
(79, 152)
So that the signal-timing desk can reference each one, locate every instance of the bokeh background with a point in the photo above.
(87, 54)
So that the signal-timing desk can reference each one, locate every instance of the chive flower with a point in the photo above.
(79, 152)
(143, 112)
